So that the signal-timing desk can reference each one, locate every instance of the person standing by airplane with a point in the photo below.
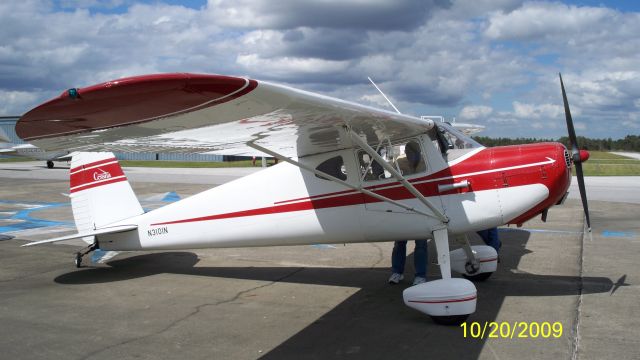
(490, 237)
(411, 164)
(398, 259)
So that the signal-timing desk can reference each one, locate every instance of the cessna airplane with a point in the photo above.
(34, 152)
(348, 173)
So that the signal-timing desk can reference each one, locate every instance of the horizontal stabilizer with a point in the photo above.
(108, 230)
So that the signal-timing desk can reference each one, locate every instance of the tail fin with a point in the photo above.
(99, 191)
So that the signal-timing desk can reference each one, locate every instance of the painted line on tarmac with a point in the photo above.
(22, 220)
(618, 234)
(543, 231)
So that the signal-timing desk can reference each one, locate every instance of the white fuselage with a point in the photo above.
(284, 205)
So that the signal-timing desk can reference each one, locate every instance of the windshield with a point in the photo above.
(452, 143)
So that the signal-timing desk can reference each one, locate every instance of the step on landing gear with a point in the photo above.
(448, 301)
(81, 254)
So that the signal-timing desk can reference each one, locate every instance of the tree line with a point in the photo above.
(628, 143)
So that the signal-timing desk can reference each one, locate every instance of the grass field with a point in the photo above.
(14, 159)
(602, 163)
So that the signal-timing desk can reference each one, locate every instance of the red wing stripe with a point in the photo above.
(443, 301)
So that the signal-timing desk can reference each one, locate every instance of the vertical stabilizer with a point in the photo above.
(100, 193)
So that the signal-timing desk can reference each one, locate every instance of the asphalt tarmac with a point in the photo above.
(306, 302)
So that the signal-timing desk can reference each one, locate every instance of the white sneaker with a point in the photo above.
(419, 280)
(395, 278)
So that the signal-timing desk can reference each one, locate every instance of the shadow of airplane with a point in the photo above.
(373, 323)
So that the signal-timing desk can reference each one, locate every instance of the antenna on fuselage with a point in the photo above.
(385, 96)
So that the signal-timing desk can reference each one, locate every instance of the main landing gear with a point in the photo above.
(49, 164)
(475, 263)
(448, 301)
(81, 254)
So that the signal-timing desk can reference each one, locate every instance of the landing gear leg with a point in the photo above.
(80, 254)
(444, 260)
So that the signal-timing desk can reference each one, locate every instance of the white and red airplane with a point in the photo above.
(349, 173)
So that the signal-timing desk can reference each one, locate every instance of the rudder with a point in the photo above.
(99, 191)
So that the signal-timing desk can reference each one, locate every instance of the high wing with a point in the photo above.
(205, 114)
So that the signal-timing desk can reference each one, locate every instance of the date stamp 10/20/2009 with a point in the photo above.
(512, 330)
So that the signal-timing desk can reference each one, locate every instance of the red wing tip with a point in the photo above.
(129, 100)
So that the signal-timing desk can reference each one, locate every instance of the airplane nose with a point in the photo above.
(584, 155)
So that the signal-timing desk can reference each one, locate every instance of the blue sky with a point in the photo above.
(487, 62)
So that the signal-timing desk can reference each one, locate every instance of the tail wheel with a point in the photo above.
(78, 260)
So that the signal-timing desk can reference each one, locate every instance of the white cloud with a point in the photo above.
(539, 19)
(14, 102)
(429, 57)
(475, 112)
(291, 65)
(537, 111)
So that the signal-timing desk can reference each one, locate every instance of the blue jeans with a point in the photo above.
(490, 237)
(399, 256)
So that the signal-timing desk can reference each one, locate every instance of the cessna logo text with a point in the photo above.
(101, 175)
(158, 231)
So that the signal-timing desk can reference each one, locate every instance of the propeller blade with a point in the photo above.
(583, 193)
(575, 154)
(567, 113)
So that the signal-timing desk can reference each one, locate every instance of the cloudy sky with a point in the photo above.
(486, 62)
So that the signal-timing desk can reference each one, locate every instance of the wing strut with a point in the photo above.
(332, 178)
(358, 140)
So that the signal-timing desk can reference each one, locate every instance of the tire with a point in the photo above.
(50, 164)
(479, 277)
(450, 320)
(78, 260)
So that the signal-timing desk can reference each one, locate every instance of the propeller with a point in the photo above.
(577, 156)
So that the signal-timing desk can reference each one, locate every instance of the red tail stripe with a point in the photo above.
(93, 164)
(83, 177)
(96, 184)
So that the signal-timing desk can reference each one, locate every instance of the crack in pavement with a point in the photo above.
(380, 257)
(576, 329)
(195, 311)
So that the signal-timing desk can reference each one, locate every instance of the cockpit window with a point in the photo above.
(452, 143)
(334, 167)
(406, 157)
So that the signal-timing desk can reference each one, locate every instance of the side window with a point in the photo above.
(405, 157)
(334, 167)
